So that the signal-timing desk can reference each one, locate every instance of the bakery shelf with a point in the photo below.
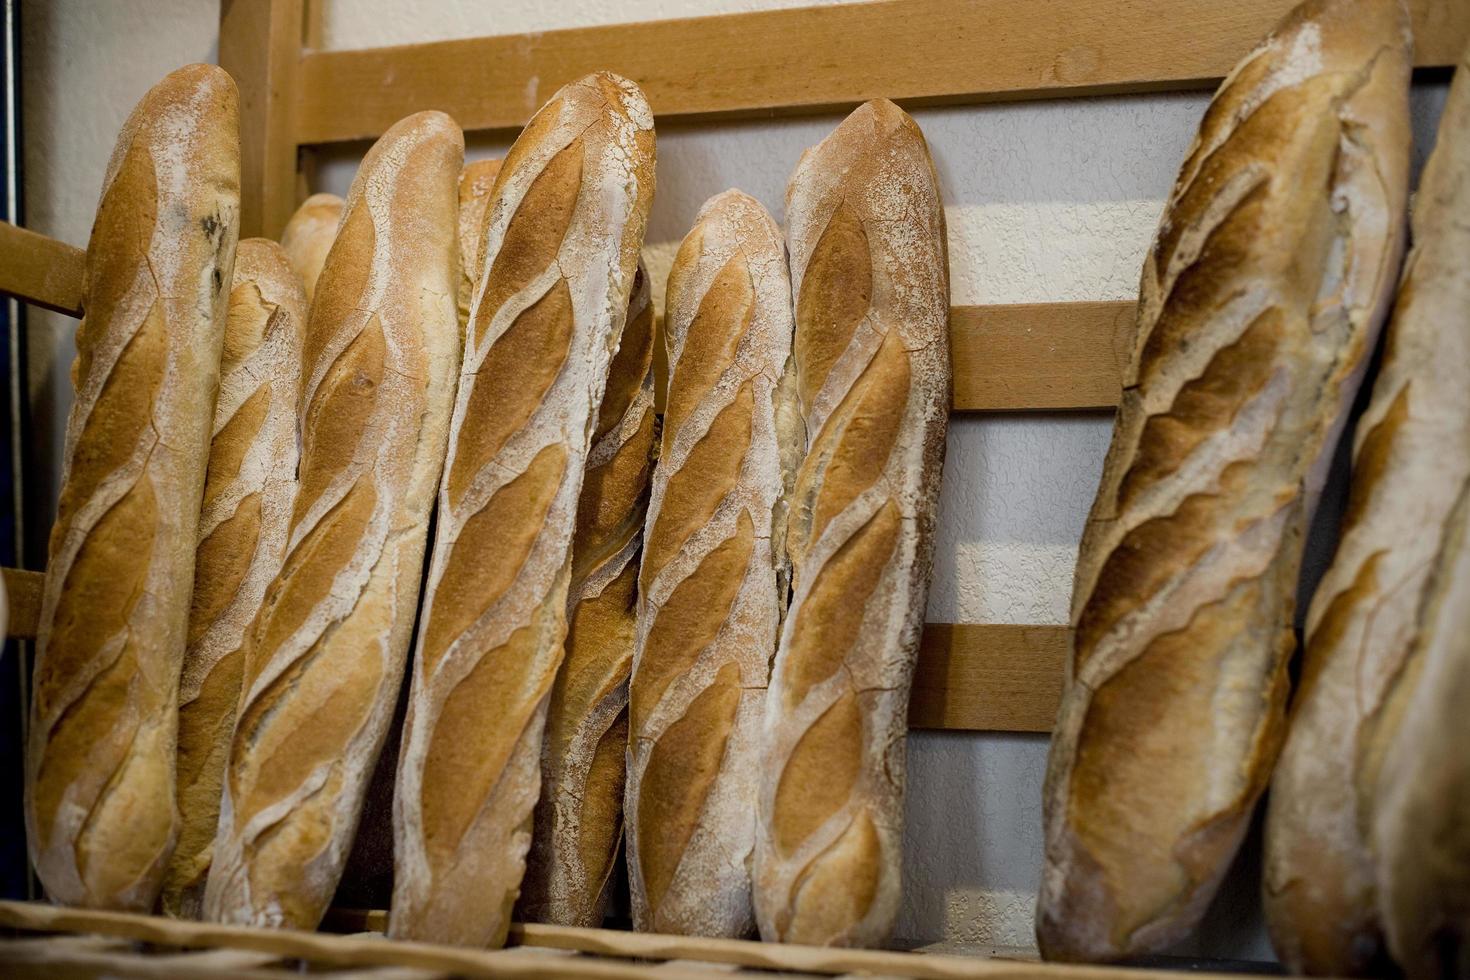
(47, 941)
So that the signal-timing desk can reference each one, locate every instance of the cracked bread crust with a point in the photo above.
(710, 597)
(870, 282)
(567, 216)
(1260, 303)
(99, 803)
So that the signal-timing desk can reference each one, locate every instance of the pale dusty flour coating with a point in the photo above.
(99, 808)
(1260, 304)
(864, 202)
(485, 657)
(326, 659)
(690, 826)
(308, 237)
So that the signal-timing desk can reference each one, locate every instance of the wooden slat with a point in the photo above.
(41, 270)
(970, 676)
(1039, 356)
(260, 46)
(991, 678)
(23, 593)
(815, 58)
(607, 953)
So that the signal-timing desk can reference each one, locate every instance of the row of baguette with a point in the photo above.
(484, 357)
(1261, 304)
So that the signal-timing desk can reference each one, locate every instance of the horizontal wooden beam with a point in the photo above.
(41, 270)
(1039, 356)
(970, 676)
(919, 52)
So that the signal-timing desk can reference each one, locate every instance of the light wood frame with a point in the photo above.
(1039, 357)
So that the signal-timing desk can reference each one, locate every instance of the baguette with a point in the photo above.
(249, 490)
(709, 598)
(561, 246)
(1260, 304)
(870, 277)
(476, 182)
(1412, 455)
(1419, 813)
(325, 661)
(99, 789)
(309, 235)
(578, 822)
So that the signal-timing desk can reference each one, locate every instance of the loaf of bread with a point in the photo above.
(249, 490)
(870, 277)
(709, 599)
(309, 235)
(578, 824)
(1412, 457)
(325, 661)
(1261, 301)
(1419, 813)
(561, 247)
(99, 789)
(476, 182)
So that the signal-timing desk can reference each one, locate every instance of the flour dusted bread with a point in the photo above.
(99, 800)
(869, 274)
(1412, 457)
(1419, 813)
(325, 661)
(578, 824)
(309, 235)
(710, 598)
(476, 182)
(248, 493)
(566, 221)
(1260, 303)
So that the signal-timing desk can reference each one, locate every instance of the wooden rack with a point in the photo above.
(1041, 357)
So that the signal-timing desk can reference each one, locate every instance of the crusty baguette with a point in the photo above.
(1419, 810)
(248, 494)
(1260, 303)
(870, 277)
(476, 181)
(309, 235)
(578, 824)
(325, 661)
(1412, 455)
(99, 806)
(709, 598)
(561, 247)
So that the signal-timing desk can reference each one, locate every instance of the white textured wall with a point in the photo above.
(1045, 201)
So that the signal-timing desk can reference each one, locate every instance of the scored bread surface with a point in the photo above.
(561, 246)
(99, 790)
(709, 597)
(1411, 457)
(325, 661)
(476, 181)
(578, 824)
(870, 279)
(308, 237)
(1260, 302)
(249, 490)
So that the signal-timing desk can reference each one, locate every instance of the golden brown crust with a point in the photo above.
(871, 281)
(710, 599)
(579, 818)
(476, 182)
(1260, 302)
(308, 237)
(324, 663)
(100, 815)
(566, 220)
(249, 492)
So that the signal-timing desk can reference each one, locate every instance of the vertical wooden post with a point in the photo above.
(260, 45)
